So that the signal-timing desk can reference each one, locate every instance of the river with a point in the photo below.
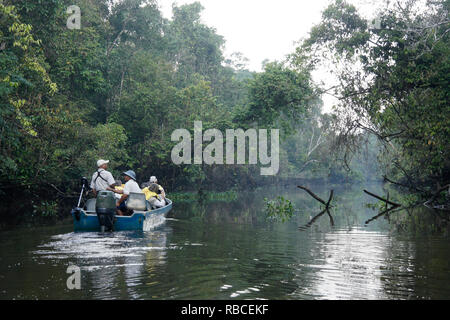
(228, 250)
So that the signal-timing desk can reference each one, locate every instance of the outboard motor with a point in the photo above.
(105, 207)
(76, 212)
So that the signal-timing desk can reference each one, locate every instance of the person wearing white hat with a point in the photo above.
(102, 179)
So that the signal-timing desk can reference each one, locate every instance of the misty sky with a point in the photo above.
(265, 29)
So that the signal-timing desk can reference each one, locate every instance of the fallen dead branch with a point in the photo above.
(326, 204)
(382, 199)
(441, 207)
(387, 202)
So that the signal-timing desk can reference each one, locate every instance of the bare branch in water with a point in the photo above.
(440, 207)
(312, 194)
(380, 214)
(386, 201)
(310, 223)
(382, 199)
(327, 207)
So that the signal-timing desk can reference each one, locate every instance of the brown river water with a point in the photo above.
(228, 250)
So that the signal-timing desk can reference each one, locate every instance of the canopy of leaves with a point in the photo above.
(394, 79)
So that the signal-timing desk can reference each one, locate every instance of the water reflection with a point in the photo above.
(350, 265)
(112, 264)
(227, 250)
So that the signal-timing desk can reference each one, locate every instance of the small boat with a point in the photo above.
(139, 220)
(99, 214)
(87, 220)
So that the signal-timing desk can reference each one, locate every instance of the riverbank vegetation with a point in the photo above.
(393, 84)
(121, 84)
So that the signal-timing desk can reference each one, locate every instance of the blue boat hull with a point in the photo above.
(140, 220)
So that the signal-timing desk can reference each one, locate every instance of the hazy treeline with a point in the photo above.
(393, 83)
(121, 84)
(118, 87)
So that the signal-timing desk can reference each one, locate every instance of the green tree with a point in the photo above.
(394, 83)
(277, 96)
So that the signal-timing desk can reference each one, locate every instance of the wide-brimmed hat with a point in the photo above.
(131, 174)
(102, 162)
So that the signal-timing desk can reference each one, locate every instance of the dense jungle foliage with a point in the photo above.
(121, 84)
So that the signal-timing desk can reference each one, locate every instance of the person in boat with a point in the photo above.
(118, 186)
(102, 179)
(161, 189)
(153, 196)
(130, 186)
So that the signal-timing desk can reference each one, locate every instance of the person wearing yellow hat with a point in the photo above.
(152, 195)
